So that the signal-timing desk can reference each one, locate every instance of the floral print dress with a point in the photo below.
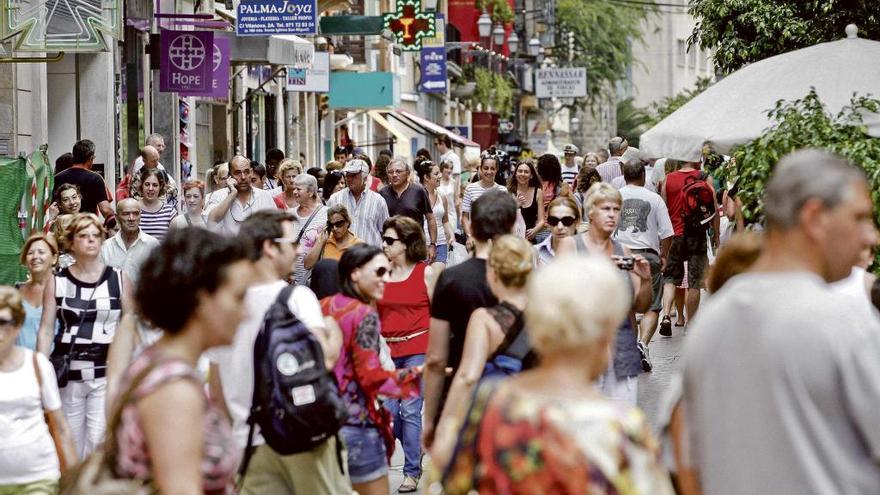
(362, 380)
(514, 443)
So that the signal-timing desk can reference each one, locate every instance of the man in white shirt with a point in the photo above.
(646, 229)
(443, 143)
(157, 143)
(230, 206)
(272, 239)
(367, 208)
(129, 248)
(781, 377)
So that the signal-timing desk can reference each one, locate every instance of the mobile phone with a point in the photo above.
(626, 262)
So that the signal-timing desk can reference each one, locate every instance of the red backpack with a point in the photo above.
(698, 202)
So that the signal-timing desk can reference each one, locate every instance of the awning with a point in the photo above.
(403, 140)
(431, 127)
(277, 49)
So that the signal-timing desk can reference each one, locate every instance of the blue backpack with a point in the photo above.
(296, 399)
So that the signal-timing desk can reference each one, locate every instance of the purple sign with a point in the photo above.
(220, 75)
(186, 61)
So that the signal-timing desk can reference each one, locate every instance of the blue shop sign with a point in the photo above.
(433, 65)
(268, 17)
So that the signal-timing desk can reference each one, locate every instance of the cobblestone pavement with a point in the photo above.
(665, 354)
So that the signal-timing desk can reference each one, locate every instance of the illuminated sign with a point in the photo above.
(61, 25)
(409, 24)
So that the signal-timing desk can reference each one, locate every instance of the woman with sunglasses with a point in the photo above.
(603, 204)
(405, 315)
(563, 217)
(334, 241)
(364, 270)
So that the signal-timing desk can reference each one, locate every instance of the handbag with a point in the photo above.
(96, 474)
(61, 363)
(54, 428)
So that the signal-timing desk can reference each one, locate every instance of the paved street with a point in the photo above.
(665, 354)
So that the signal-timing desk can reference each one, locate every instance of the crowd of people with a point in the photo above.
(493, 314)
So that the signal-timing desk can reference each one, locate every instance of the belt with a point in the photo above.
(645, 250)
(77, 375)
(394, 340)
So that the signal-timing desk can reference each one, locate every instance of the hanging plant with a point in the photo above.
(485, 82)
(499, 10)
(503, 98)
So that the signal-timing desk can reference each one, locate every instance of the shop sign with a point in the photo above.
(461, 130)
(268, 17)
(219, 72)
(433, 65)
(410, 25)
(561, 82)
(186, 62)
(316, 79)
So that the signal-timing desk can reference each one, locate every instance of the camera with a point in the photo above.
(625, 262)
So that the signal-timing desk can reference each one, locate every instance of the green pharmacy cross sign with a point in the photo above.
(60, 25)
(409, 24)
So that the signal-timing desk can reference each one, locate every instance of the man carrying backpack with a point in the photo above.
(295, 349)
(690, 197)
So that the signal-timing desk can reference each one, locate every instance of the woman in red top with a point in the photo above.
(405, 314)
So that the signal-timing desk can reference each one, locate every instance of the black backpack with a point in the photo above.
(698, 203)
(296, 399)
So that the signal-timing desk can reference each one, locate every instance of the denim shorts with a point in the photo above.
(442, 252)
(366, 453)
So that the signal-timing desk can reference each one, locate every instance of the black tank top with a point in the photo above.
(530, 214)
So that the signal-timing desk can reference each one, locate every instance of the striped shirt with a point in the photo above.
(368, 213)
(473, 192)
(610, 169)
(570, 174)
(156, 223)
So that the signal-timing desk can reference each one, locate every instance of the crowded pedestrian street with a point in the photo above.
(446, 247)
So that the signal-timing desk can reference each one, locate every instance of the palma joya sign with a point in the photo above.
(561, 82)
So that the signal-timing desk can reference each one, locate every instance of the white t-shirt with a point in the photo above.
(237, 213)
(473, 192)
(853, 287)
(452, 156)
(27, 452)
(644, 219)
(236, 362)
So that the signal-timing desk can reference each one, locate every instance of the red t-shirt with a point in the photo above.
(406, 310)
(674, 185)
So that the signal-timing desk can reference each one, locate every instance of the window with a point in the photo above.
(680, 53)
(692, 57)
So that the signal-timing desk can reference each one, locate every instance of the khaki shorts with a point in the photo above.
(315, 472)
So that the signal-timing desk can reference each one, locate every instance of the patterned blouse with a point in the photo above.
(221, 454)
(516, 444)
(360, 375)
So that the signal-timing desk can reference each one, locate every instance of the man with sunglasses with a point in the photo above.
(273, 247)
(367, 208)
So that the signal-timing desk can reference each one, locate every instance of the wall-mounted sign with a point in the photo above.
(316, 79)
(433, 65)
(410, 25)
(561, 82)
(219, 72)
(55, 25)
(267, 17)
(187, 61)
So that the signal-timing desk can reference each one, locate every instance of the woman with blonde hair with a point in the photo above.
(39, 254)
(602, 205)
(496, 344)
(287, 172)
(548, 430)
(87, 299)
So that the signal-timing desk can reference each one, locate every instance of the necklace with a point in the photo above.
(247, 205)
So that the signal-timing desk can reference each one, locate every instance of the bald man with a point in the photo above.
(128, 248)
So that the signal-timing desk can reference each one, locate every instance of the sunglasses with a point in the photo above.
(336, 225)
(382, 271)
(566, 221)
(6, 322)
(389, 241)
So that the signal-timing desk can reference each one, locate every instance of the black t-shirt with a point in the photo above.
(90, 184)
(459, 291)
(413, 203)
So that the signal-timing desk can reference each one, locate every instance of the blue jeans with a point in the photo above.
(407, 417)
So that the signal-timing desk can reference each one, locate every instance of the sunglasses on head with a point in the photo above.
(389, 240)
(336, 225)
(566, 221)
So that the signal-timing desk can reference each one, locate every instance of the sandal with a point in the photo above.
(409, 485)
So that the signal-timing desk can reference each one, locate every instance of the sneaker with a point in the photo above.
(646, 358)
(409, 485)
(666, 327)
